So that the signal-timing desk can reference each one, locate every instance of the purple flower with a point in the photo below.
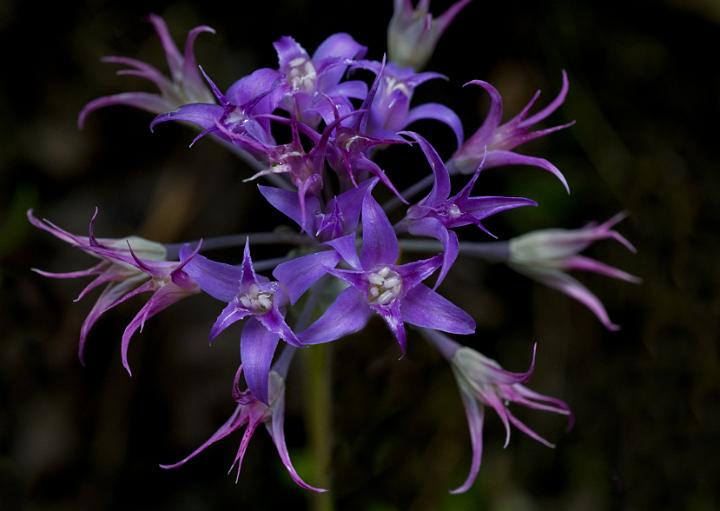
(251, 297)
(339, 217)
(311, 82)
(183, 86)
(249, 414)
(377, 284)
(306, 171)
(484, 383)
(129, 267)
(438, 213)
(548, 254)
(413, 33)
(390, 109)
(240, 116)
(494, 144)
(349, 146)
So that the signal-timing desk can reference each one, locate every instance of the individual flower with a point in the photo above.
(484, 383)
(304, 168)
(254, 298)
(390, 111)
(339, 217)
(349, 146)
(239, 116)
(311, 81)
(413, 33)
(493, 143)
(438, 213)
(377, 284)
(251, 413)
(547, 255)
(184, 85)
(130, 267)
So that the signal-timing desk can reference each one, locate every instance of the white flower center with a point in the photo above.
(385, 285)
(257, 300)
(302, 74)
(453, 211)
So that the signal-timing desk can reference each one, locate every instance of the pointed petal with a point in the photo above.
(94, 270)
(248, 273)
(190, 75)
(277, 431)
(441, 186)
(301, 273)
(257, 346)
(496, 158)
(348, 314)
(475, 416)
(255, 90)
(605, 229)
(339, 46)
(380, 244)
(424, 307)
(288, 50)
(161, 300)
(538, 401)
(237, 420)
(582, 263)
(433, 228)
(153, 103)
(437, 112)
(351, 89)
(574, 289)
(529, 432)
(446, 18)
(288, 204)
(219, 280)
(483, 135)
(550, 108)
(112, 296)
(143, 70)
(232, 313)
(253, 423)
(204, 115)
(355, 278)
(393, 318)
(274, 322)
(350, 203)
(346, 248)
(483, 207)
(174, 59)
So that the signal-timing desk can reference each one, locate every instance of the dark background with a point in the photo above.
(645, 89)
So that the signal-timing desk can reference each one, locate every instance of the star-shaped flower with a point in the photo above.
(484, 383)
(547, 255)
(493, 143)
(184, 85)
(130, 267)
(438, 213)
(253, 298)
(378, 284)
(249, 414)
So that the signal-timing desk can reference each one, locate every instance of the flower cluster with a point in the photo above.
(323, 177)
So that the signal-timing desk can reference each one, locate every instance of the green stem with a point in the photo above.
(318, 417)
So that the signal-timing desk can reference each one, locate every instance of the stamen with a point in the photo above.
(385, 285)
(257, 300)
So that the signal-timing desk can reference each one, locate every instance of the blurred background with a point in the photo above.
(645, 92)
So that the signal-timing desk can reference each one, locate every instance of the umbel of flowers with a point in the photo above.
(324, 179)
